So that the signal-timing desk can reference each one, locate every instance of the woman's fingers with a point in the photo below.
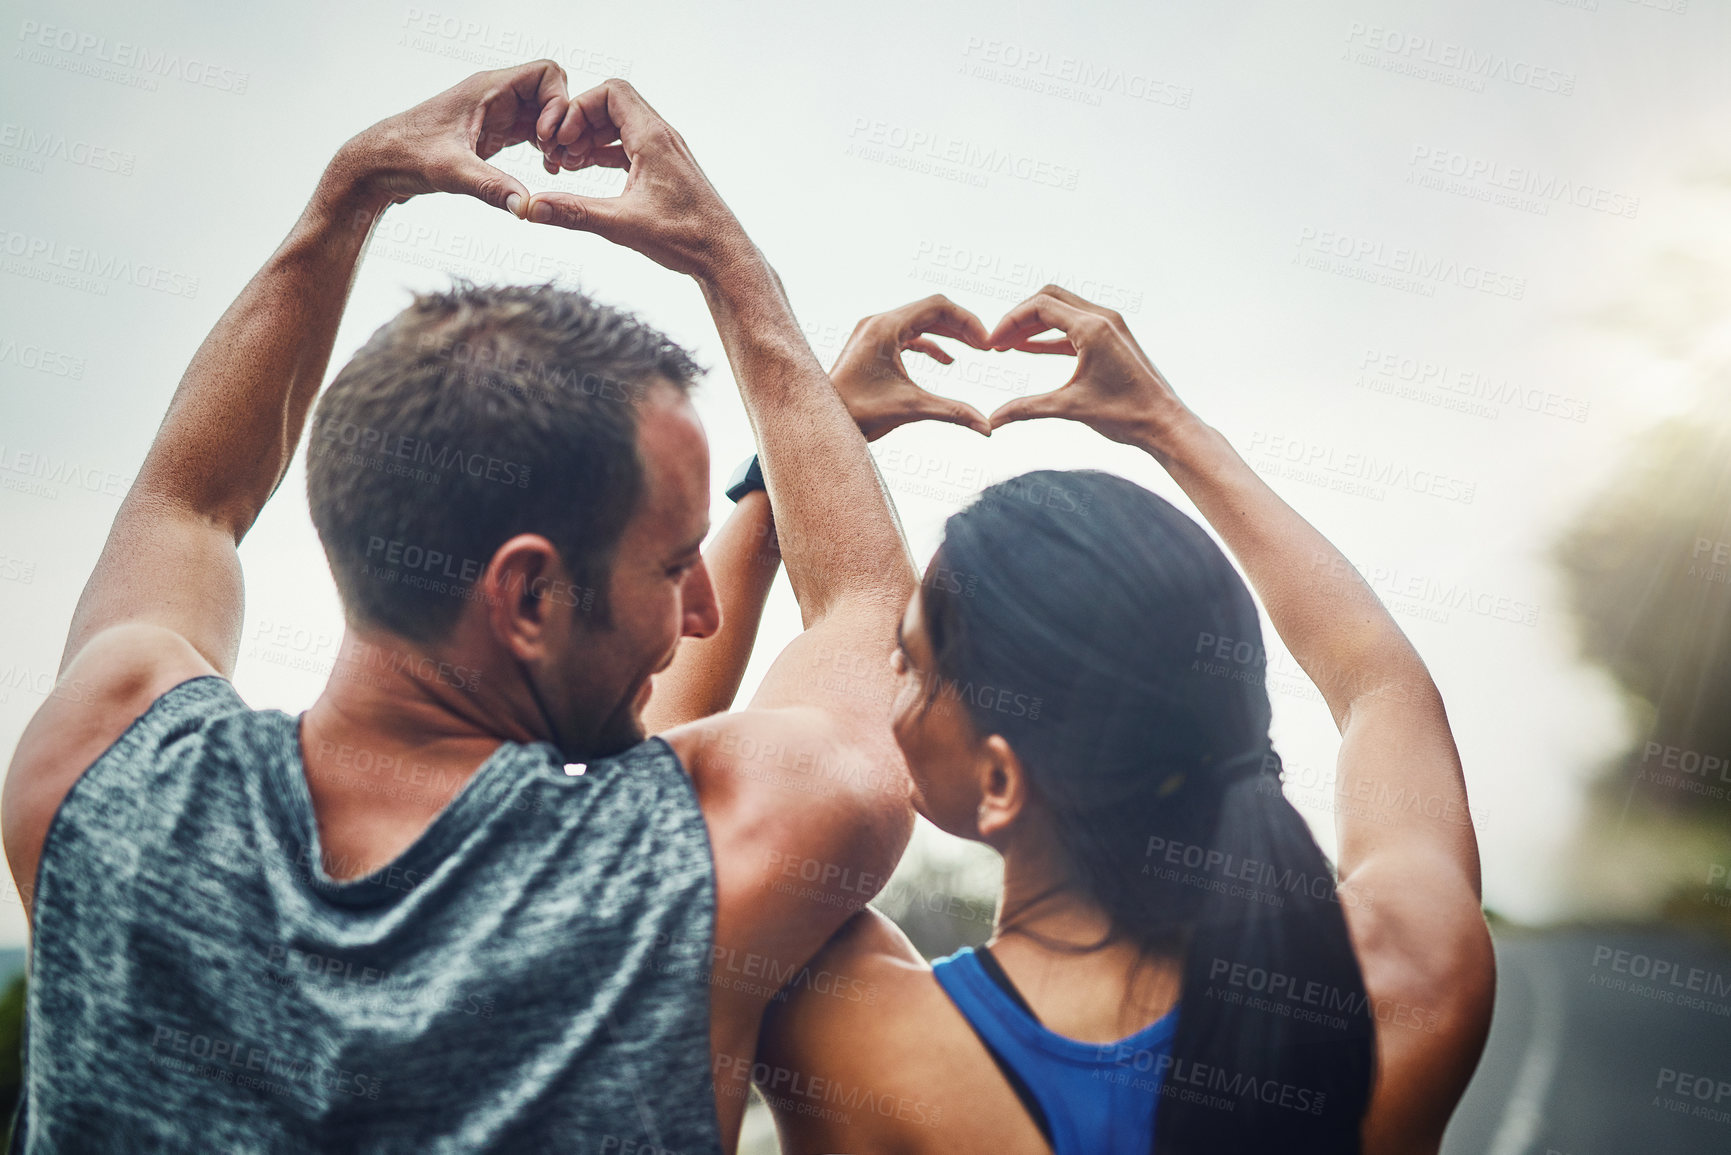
(930, 348)
(935, 408)
(1053, 404)
(1036, 315)
(941, 316)
(1064, 346)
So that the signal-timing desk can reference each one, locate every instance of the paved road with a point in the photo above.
(1605, 1042)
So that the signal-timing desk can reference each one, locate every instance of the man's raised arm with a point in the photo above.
(838, 534)
(810, 777)
(164, 603)
(744, 557)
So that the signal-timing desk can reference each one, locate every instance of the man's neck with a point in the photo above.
(398, 731)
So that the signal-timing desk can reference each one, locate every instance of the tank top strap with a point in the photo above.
(1093, 1098)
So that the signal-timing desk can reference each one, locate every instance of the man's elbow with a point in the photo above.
(884, 824)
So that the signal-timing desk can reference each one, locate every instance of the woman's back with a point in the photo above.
(870, 1053)
(901, 1057)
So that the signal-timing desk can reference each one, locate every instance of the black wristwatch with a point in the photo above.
(747, 477)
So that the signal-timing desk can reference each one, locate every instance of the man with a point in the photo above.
(248, 932)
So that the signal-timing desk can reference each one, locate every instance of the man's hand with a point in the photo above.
(668, 210)
(1116, 390)
(442, 144)
(874, 385)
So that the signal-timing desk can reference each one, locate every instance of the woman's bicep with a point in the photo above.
(1400, 791)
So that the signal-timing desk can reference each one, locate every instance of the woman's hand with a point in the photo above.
(1116, 390)
(876, 388)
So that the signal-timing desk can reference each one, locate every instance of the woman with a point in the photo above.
(1173, 966)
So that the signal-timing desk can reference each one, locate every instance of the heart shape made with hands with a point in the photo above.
(668, 211)
(1114, 389)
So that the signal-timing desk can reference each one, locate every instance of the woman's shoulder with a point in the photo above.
(870, 1055)
(869, 965)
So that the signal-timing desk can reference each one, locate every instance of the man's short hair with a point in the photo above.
(474, 415)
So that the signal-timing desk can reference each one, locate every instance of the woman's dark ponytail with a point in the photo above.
(1122, 621)
(1274, 1048)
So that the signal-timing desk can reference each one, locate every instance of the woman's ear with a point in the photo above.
(1003, 789)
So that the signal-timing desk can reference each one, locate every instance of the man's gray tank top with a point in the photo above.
(531, 975)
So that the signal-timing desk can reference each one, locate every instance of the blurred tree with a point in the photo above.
(1648, 573)
(11, 1050)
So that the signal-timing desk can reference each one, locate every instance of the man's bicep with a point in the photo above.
(807, 822)
(170, 569)
(839, 665)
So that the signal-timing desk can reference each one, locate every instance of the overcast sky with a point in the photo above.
(1376, 244)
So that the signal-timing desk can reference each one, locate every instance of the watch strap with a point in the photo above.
(747, 477)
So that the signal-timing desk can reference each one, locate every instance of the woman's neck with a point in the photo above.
(1058, 945)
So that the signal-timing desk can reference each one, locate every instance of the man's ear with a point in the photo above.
(520, 588)
(1004, 788)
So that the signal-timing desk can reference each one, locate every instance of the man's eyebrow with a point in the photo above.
(696, 545)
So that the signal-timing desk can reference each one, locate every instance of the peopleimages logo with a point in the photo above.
(35, 147)
(906, 146)
(1446, 61)
(374, 445)
(1400, 266)
(136, 65)
(1461, 389)
(1516, 186)
(485, 43)
(28, 355)
(1037, 69)
(91, 269)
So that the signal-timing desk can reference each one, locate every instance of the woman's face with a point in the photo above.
(934, 731)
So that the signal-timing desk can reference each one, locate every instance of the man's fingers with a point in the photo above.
(606, 156)
(930, 348)
(558, 158)
(596, 215)
(613, 111)
(1053, 404)
(521, 103)
(470, 174)
(570, 126)
(547, 125)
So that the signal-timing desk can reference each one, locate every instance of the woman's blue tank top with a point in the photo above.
(1090, 1098)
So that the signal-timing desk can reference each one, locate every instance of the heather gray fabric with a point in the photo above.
(531, 975)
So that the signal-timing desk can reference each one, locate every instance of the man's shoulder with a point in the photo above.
(129, 686)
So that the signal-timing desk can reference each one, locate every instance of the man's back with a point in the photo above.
(531, 974)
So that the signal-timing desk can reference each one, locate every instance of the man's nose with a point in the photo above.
(702, 611)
